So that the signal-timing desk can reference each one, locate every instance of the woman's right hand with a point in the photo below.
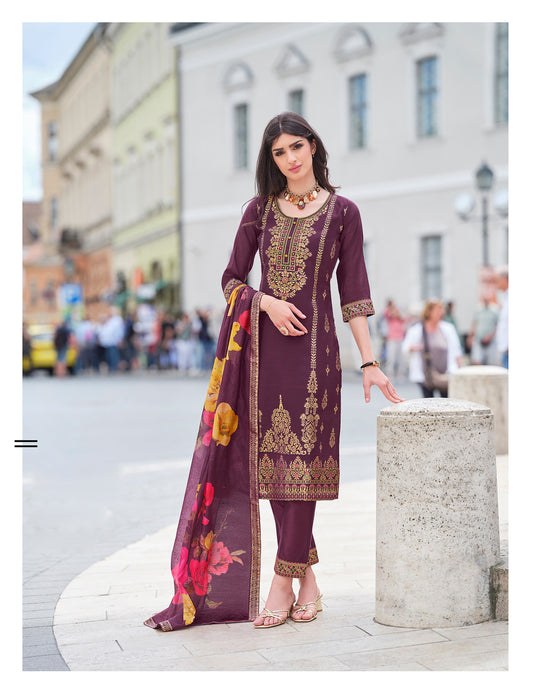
(283, 315)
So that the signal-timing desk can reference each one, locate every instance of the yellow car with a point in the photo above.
(43, 353)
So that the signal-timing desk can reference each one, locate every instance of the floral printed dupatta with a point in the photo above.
(216, 556)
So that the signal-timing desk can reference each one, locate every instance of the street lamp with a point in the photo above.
(484, 180)
(464, 204)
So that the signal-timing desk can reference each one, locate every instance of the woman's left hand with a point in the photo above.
(373, 376)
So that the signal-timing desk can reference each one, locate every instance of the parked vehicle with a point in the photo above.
(43, 354)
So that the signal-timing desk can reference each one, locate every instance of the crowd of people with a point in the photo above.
(427, 348)
(146, 339)
(423, 348)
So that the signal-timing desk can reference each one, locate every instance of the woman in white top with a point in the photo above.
(443, 342)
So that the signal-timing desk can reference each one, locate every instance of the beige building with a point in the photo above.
(76, 163)
(408, 112)
(146, 240)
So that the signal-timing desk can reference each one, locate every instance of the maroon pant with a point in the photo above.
(294, 529)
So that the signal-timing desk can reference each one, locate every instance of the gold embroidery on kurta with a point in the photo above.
(310, 417)
(287, 254)
(332, 438)
(326, 324)
(338, 362)
(325, 400)
(297, 480)
(280, 438)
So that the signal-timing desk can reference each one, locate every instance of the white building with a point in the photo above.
(407, 112)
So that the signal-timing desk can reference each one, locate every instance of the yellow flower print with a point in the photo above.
(214, 385)
(189, 612)
(225, 424)
(235, 328)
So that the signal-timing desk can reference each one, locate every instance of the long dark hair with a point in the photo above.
(268, 178)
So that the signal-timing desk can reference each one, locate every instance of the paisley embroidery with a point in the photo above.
(280, 438)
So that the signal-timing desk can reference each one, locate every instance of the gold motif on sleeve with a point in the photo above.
(230, 286)
(362, 307)
(325, 400)
(338, 361)
(280, 438)
(326, 324)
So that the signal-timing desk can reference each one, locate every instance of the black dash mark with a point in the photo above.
(27, 443)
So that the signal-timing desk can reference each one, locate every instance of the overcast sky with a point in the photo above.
(47, 49)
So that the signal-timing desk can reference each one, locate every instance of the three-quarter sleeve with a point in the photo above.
(352, 278)
(244, 250)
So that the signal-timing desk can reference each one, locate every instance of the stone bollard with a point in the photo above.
(488, 386)
(437, 528)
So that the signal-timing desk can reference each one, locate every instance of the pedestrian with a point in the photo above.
(271, 419)
(26, 349)
(449, 315)
(185, 343)
(61, 339)
(434, 350)
(206, 340)
(395, 335)
(167, 357)
(111, 335)
(482, 335)
(502, 333)
(130, 343)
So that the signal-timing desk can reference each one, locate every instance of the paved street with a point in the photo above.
(112, 461)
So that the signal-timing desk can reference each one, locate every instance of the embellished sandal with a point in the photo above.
(316, 604)
(267, 613)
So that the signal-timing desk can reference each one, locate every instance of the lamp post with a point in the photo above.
(465, 203)
(484, 180)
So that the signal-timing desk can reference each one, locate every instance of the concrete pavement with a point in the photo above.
(98, 618)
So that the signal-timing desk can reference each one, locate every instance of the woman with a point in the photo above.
(277, 373)
(434, 349)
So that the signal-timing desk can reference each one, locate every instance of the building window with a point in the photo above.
(431, 267)
(501, 76)
(52, 141)
(427, 97)
(296, 101)
(358, 115)
(241, 136)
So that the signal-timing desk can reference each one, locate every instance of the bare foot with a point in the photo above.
(280, 599)
(308, 593)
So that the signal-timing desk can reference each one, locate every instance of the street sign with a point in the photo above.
(70, 293)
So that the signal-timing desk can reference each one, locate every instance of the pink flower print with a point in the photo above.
(244, 320)
(209, 493)
(200, 577)
(219, 559)
(179, 574)
(209, 418)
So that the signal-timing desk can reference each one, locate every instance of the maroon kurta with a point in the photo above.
(300, 376)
